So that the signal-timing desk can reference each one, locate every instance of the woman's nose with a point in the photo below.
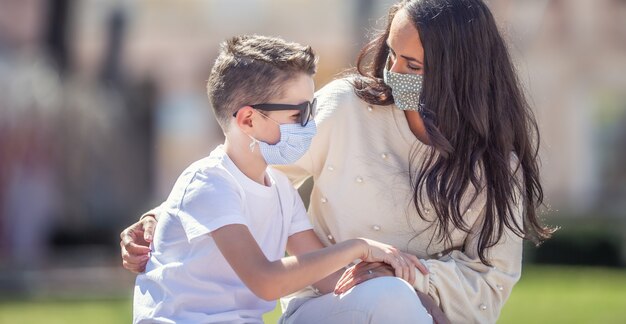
(397, 67)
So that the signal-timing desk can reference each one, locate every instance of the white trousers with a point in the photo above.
(380, 300)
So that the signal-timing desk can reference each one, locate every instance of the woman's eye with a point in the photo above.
(414, 68)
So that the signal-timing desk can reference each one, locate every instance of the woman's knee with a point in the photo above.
(380, 300)
(386, 293)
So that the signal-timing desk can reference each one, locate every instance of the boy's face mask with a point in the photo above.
(405, 88)
(294, 142)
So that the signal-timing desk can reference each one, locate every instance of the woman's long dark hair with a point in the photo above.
(476, 117)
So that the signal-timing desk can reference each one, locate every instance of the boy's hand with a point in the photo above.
(404, 264)
(135, 244)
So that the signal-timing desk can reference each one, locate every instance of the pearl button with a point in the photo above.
(359, 179)
(384, 156)
(439, 255)
(331, 168)
(330, 237)
(324, 200)
(369, 108)
(427, 210)
(469, 210)
(483, 307)
(376, 228)
(500, 287)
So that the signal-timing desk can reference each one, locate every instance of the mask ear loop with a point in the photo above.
(253, 143)
(254, 140)
(386, 68)
(388, 62)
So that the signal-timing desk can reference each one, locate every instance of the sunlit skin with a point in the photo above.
(264, 126)
(407, 57)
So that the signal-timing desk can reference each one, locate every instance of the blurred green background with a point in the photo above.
(103, 104)
(545, 294)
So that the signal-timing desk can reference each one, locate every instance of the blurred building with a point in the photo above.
(575, 56)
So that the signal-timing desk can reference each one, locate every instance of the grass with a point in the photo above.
(544, 295)
(568, 295)
(67, 311)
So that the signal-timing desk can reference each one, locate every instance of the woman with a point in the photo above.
(430, 147)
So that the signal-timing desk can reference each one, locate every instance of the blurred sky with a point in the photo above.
(103, 103)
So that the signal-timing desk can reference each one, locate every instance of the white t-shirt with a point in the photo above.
(187, 280)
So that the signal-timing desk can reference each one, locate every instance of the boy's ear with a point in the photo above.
(244, 117)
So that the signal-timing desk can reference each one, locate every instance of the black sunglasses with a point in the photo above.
(307, 109)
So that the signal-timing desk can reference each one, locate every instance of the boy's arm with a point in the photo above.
(307, 241)
(271, 280)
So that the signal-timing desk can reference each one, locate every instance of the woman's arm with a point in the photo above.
(468, 290)
(271, 280)
(459, 283)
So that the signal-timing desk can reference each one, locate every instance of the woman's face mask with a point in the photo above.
(405, 88)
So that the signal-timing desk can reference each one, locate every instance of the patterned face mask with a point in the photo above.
(405, 88)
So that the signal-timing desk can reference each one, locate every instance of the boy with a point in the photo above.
(223, 231)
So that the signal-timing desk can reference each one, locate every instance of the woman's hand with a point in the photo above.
(362, 272)
(135, 244)
(404, 264)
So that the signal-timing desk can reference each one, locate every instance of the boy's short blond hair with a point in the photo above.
(253, 69)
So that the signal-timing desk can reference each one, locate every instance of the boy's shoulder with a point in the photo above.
(207, 175)
(212, 166)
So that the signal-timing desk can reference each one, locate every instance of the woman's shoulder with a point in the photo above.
(337, 87)
(337, 95)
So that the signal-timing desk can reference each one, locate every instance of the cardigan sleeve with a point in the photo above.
(467, 290)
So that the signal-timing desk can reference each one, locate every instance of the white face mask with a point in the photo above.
(405, 88)
(294, 142)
